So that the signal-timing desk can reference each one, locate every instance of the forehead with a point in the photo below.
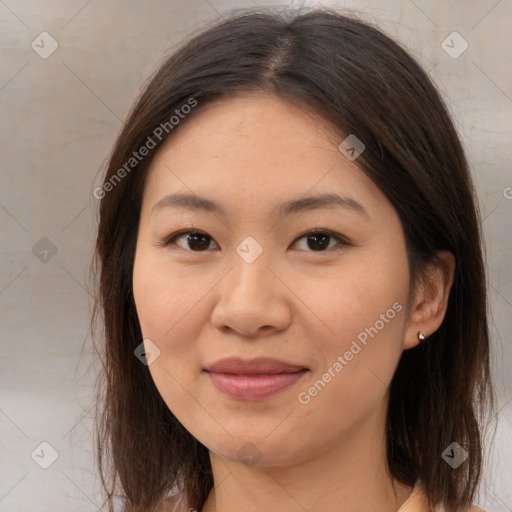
(254, 125)
(256, 149)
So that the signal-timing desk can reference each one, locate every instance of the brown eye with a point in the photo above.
(316, 241)
(320, 241)
(196, 241)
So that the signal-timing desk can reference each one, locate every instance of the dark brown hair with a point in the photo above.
(363, 83)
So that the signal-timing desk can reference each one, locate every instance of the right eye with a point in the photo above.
(194, 240)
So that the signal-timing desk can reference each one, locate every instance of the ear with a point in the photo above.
(430, 298)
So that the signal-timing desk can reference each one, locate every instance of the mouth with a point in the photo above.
(254, 379)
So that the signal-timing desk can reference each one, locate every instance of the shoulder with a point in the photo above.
(418, 502)
(472, 508)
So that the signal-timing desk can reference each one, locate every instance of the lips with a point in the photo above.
(260, 365)
(254, 379)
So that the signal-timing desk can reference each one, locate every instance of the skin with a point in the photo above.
(250, 152)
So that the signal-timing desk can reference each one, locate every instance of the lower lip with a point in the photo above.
(254, 387)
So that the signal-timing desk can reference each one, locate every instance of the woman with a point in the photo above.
(291, 280)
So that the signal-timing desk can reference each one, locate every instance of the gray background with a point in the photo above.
(59, 118)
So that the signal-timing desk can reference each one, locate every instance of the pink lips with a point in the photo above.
(254, 379)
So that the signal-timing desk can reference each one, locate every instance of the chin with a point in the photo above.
(252, 450)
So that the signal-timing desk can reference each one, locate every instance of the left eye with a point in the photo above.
(317, 240)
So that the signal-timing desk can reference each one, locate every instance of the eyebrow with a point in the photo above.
(195, 203)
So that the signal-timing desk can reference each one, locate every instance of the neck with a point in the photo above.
(351, 476)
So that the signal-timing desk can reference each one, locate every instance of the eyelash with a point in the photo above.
(342, 242)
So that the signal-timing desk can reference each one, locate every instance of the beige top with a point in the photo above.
(416, 502)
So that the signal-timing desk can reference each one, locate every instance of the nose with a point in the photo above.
(252, 300)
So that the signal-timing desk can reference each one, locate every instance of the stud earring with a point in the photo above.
(421, 336)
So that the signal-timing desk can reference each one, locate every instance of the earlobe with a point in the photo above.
(430, 299)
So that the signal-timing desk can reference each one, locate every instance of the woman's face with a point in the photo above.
(255, 283)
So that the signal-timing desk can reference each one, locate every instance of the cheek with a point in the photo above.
(351, 381)
(171, 315)
(174, 313)
(168, 301)
(362, 299)
(366, 316)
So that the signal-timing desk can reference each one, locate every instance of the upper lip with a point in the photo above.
(258, 365)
